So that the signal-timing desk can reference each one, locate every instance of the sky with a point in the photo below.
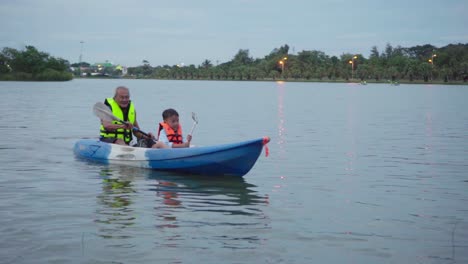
(189, 32)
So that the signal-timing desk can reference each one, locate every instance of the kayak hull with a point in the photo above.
(235, 159)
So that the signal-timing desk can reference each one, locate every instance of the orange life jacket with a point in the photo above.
(172, 136)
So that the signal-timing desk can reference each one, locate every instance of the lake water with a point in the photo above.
(355, 174)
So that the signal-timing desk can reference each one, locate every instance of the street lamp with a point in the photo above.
(81, 56)
(282, 62)
(431, 61)
(352, 66)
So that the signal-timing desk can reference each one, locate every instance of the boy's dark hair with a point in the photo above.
(168, 113)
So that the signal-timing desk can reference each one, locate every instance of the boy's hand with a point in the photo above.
(189, 137)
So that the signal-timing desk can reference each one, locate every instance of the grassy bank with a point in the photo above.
(46, 76)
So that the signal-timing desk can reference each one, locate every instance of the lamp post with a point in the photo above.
(431, 61)
(282, 62)
(352, 66)
(81, 56)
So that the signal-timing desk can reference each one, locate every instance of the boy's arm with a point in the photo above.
(185, 144)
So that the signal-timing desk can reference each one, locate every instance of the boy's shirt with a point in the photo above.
(163, 138)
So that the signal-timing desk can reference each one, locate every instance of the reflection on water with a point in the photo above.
(177, 204)
(281, 119)
(281, 133)
(167, 192)
(188, 201)
(116, 213)
(351, 133)
(211, 205)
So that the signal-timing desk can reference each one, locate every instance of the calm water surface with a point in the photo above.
(356, 174)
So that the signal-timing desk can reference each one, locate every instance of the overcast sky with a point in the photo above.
(190, 31)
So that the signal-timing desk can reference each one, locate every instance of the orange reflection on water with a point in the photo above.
(169, 197)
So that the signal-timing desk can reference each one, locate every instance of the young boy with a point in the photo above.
(170, 131)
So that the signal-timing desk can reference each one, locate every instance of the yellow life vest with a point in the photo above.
(124, 134)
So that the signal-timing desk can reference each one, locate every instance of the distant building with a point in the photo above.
(101, 69)
(102, 66)
(122, 69)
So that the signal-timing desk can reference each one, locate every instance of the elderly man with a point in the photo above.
(123, 108)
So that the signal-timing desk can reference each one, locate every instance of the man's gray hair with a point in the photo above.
(120, 88)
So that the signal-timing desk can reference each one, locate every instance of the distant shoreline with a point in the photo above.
(438, 82)
(357, 82)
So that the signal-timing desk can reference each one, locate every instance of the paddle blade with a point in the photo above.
(102, 111)
(195, 122)
(195, 118)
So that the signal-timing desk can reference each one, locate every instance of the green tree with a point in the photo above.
(363, 72)
(32, 64)
(425, 70)
(146, 68)
(29, 61)
(242, 58)
(206, 64)
(374, 53)
(57, 64)
(4, 64)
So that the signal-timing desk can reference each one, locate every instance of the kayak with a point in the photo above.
(234, 159)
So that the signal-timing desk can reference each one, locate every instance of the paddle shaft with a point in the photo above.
(134, 128)
(193, 127)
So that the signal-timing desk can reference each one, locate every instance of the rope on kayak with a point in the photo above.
(265, 142)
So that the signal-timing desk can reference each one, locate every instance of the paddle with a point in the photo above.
(102, 111)
(195, 122)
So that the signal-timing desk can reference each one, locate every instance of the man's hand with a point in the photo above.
(128, 126)
(140, 134)
(150, 136)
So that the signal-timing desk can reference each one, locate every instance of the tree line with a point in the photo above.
(425, 63)
(31, 64)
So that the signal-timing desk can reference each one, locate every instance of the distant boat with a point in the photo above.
(363, 83)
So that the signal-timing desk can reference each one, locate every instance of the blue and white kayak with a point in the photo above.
(235, 159)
